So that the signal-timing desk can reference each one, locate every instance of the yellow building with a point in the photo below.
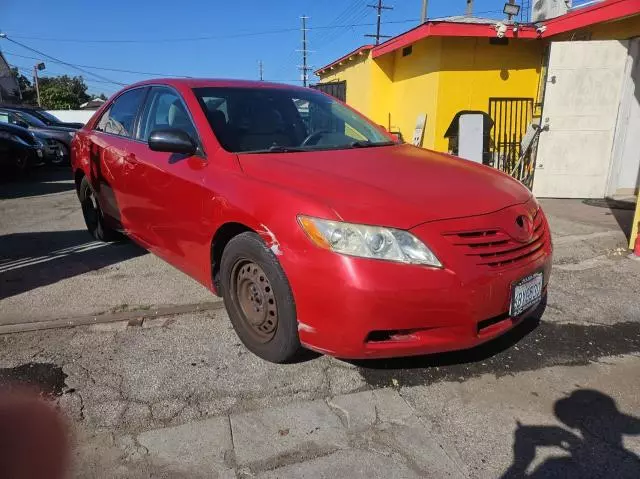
(444, 67)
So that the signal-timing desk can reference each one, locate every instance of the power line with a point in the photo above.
(56, 60)
(347, 15)
(176, 40)
(119, 70)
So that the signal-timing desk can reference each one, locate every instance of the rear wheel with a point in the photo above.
(22, 162)
(258, 299)
(92, 213)
(63, 158)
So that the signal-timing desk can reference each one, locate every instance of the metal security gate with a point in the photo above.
(336, 89)
(511, 117)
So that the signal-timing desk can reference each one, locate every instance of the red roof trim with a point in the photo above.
(604, 11)
(357, 51)
(449, 29)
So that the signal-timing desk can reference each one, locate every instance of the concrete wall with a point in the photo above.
(414, 89)
(473, 70)
(440, 77)
(81, 116)
(357, 74)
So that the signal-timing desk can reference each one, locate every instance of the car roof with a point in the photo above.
(216, 82)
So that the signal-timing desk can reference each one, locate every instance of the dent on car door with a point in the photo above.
(170, 186)
(110, 156)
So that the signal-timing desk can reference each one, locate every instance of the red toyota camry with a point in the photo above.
(314, 225)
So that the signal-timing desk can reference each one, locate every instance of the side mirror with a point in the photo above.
(172, 140)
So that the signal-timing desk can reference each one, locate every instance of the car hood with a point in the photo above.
(399, 186)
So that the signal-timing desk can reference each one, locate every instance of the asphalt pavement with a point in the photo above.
(145, 364)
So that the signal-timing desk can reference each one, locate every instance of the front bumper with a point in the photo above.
(357, 308)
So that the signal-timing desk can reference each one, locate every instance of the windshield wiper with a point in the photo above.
(368, 144)
(279, 149)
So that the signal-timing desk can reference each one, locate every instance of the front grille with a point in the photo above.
(493, 248)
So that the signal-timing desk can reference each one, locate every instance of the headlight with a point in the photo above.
(368, 241)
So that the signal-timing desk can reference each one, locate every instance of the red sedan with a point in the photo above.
(313, 224)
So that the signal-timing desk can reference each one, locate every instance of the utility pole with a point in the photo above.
(425, 6)
(379, 7)
(469, 11)
(260, 70)
(36, 68)
(304, 68)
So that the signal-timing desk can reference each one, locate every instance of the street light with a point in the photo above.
(36, 68)
(511, 9)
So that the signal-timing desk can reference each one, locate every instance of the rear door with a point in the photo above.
(167, 188)
(110, 157)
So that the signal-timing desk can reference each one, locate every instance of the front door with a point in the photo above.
(109, 151)
(168, 188)
(582, 97)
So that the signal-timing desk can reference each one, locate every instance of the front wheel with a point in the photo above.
(258, 299)
(92, 213)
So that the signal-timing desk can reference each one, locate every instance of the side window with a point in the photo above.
(120, 117)
(165, 109)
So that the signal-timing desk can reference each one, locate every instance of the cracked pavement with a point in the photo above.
(153, 391)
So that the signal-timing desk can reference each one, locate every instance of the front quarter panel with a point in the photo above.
(269, 210)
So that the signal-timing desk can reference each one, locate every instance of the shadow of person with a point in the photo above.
(593, 448)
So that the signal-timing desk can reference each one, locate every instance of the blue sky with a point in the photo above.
(161, 34)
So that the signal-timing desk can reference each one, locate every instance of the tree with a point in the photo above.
(62, 92)
(27, 90)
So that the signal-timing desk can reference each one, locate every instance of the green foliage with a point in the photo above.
(62, 92)
(26, 88)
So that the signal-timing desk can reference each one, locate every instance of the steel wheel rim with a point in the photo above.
(253, 294)
(60, 159)
(90, 209)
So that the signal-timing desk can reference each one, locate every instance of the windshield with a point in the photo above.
(252, 120)
(29, 118)
(48, 116)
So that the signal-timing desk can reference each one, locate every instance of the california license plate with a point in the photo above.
(526, 293)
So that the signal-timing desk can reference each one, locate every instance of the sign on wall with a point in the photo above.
(418, 133)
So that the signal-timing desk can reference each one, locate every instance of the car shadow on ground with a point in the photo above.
(35, 259)
(622, 210)
(37, 182)
(596, 451)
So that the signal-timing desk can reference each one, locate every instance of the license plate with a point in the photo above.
(526, 293)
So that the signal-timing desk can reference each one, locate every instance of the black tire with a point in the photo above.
(246, 259)
(21, 164)
(61, 160)
(93, 217)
